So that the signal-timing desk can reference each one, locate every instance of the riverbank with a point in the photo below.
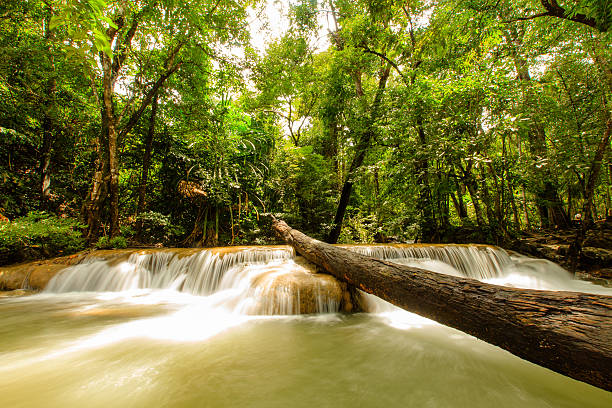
(594, 264)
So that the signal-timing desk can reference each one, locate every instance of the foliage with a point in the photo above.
(444, 120)
(39, 234)
(118, 242)
(158, 228)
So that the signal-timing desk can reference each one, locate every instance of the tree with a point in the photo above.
(133, 30)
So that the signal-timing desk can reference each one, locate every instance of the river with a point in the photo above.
(167, 329)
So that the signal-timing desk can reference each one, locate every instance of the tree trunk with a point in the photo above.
(108, 112)
(594, 172)
(524, 204)
(459, 204)
(113, 183)
(345, 196)
(92, 208)
(362, 147)
(548, 202)
(48, 127)
(146, 163)
(425, 202)
(106, 177)
(472, 187)
(45, 160)
(459, 207)
(486, 200)
(512, 200)
(567, 332)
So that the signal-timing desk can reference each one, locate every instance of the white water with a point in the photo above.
(246, 281)
(200, 274)
(164, 330)
(472, 261)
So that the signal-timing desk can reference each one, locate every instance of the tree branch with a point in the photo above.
(147, 100)
(385, 58)
(553, 9)
(528, 17)
(171, 68)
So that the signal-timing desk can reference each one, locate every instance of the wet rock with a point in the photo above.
(535, 248)
(604, 273)
(35, 275)
(17, 293)
(298, 290)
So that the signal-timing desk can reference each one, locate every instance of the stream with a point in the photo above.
(227, 329)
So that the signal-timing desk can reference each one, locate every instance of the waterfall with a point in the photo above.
(263, 281)
(472, 261)
(272, 281)
(197, 274)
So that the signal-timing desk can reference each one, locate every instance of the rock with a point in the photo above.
(602, 277)
(17, 293)
(550, 252)
(525, 247)
(599, 239)
(34, 275)
(598, 257)
(298, 289)
(604, 273)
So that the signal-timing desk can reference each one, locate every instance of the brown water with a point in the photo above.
(146, 347)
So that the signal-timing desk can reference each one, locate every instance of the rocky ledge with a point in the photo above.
(594, 262)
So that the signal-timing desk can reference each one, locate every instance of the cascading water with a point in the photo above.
(198, 274)
(191, 328)
(250, 281)
(472, 261)
(267, 280)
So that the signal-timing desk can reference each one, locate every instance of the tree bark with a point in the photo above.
(113, 159)
(512, 200)
(425, 201)
(106, 178)
(459, 204)
(567, 332)
(45, 160)
(92, 207)
(472, 187)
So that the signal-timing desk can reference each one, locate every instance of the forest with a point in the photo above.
(157, 122)
(271, 203)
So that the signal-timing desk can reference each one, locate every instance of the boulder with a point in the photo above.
(599, 238)
(596, 257)
(297, 288)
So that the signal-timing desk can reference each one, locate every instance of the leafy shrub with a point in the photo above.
(39, 235)
(118, 242)
(157, 227)
(126, 231)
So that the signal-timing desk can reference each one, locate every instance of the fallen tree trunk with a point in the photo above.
(567, 332)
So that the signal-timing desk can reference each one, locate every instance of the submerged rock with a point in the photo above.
(17, 293)
(34, 275)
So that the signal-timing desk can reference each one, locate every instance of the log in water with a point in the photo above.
(186, 328)
(568, 332)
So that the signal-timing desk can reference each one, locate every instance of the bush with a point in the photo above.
(157, 227)
(118, 242)
(39, 235)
